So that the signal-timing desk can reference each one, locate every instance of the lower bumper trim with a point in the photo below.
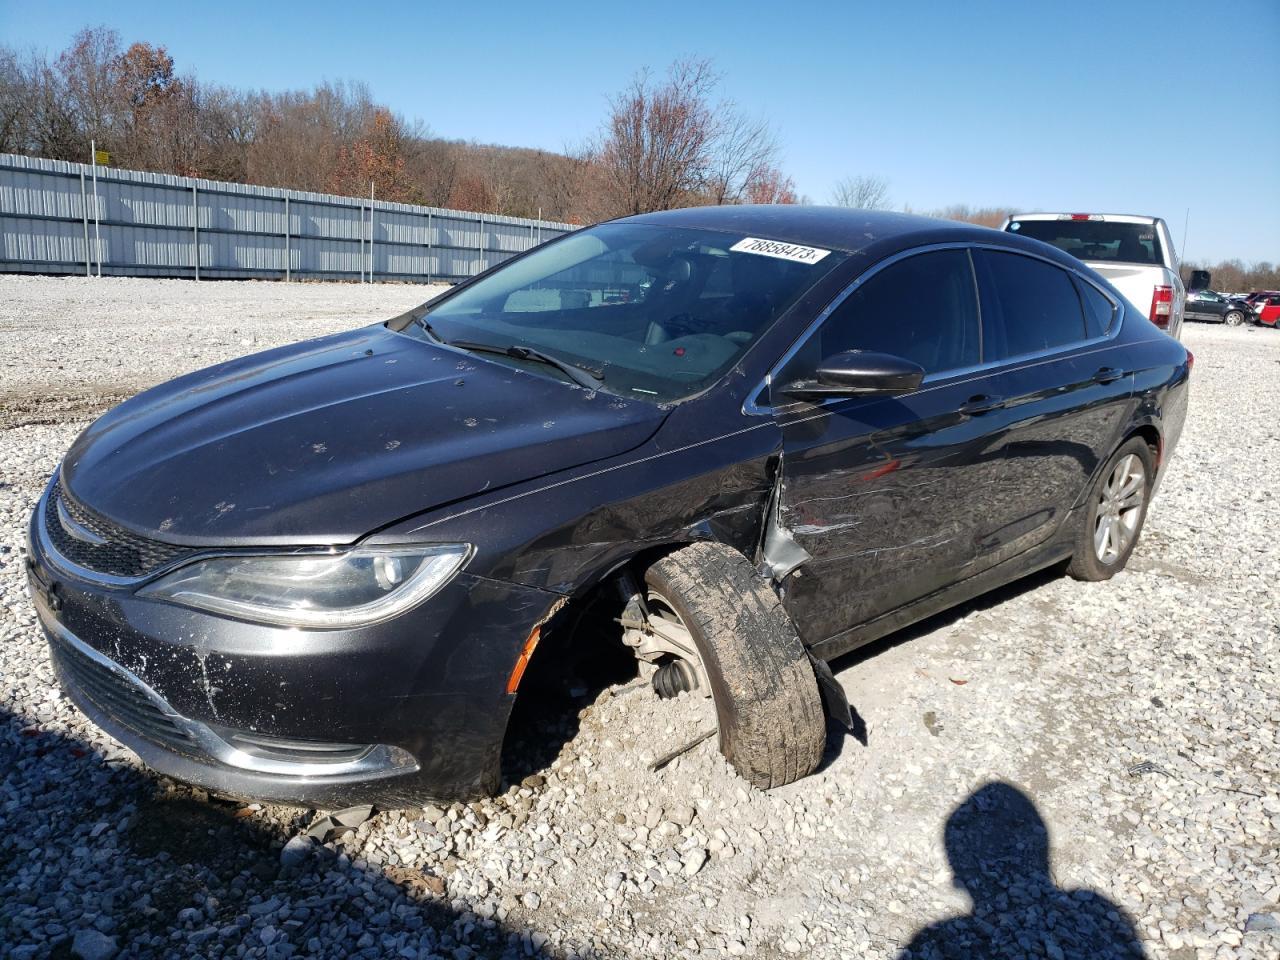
(222, 759)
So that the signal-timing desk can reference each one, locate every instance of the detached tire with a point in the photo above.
(1114, 513)
(772, 728)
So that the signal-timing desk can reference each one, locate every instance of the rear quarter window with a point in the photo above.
(1032, 305)
(1099, 312)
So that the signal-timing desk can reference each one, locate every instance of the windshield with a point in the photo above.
(1097, 239)
(651, 312)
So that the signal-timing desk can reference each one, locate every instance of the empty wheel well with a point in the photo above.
(1153, 439)
(586, 628)
(580, 647)
(579, 653)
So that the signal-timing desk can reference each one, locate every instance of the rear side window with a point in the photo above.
(923, 308)
(1031, 305)
(1097, 239)
(1099, 312)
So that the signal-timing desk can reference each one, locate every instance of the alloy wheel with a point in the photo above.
(1119, 509)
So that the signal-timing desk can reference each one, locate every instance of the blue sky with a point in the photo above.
(1119, 106)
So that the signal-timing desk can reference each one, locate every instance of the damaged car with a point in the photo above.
(746, 439)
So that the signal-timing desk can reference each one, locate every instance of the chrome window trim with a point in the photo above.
(754, 407)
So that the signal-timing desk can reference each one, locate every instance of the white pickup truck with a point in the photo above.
(1135, 253)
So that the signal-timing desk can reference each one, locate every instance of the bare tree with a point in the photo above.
(771, 185)
(656, 148)
(864, 192)
(87, 78)
(13, 109)
(1236, 276)
(667, 142)
(671, 143)
(742, 151)
(434, 165)
(983, 216)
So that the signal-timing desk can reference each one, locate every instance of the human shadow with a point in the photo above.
(998, 847)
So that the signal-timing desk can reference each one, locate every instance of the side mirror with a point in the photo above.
(857, 373)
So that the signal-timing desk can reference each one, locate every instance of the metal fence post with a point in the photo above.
(360, 237)
(195, 230)
(84, 212)
(480, 248)
(428, 246)
(97, 233)
(288, 256)
(371, 231)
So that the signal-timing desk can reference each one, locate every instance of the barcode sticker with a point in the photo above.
(776, 248)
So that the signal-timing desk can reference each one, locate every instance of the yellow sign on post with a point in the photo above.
(102, 157)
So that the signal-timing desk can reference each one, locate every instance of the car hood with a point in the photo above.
(328, 440)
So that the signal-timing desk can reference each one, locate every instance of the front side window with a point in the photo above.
(1032, 304)
(652, 312)
(923, 308)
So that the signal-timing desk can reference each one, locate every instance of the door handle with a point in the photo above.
(976, 406)
(1108, 375)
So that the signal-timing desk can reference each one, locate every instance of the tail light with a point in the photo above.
(1161, 306)
(1191, 361)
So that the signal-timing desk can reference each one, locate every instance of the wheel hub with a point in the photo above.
(664, 636)
(1119, 509)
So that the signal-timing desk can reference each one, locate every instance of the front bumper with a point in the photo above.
(394, 713)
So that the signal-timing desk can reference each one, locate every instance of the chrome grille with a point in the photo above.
(116, 695)
(119, 554)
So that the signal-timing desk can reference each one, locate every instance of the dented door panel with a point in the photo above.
(887, 497)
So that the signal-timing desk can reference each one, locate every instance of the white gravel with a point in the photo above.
(1139, 716)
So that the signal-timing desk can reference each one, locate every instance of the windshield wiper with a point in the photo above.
(582, 376)
(431, 331)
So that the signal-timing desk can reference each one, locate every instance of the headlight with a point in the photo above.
(348, 589)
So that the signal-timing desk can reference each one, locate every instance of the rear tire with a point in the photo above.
(772, 727)
(1114, 513)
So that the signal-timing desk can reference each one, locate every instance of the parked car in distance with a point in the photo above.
(324, 574)
(1269, 311)
(1214, 307)
(1135, 253)
(1257, 300)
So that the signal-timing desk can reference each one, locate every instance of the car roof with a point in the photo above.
(872, 233)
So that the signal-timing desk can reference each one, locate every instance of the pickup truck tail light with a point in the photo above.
(1162, 306)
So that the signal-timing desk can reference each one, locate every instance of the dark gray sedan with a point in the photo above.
(730, 443)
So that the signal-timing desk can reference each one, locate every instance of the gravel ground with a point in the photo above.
(1054, 767)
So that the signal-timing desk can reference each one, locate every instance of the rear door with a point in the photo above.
(888, 495)
(1065, 384)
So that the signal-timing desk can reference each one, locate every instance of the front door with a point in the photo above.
(889, 496)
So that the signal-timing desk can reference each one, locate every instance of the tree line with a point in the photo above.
(665, 141)
(1235, 276)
